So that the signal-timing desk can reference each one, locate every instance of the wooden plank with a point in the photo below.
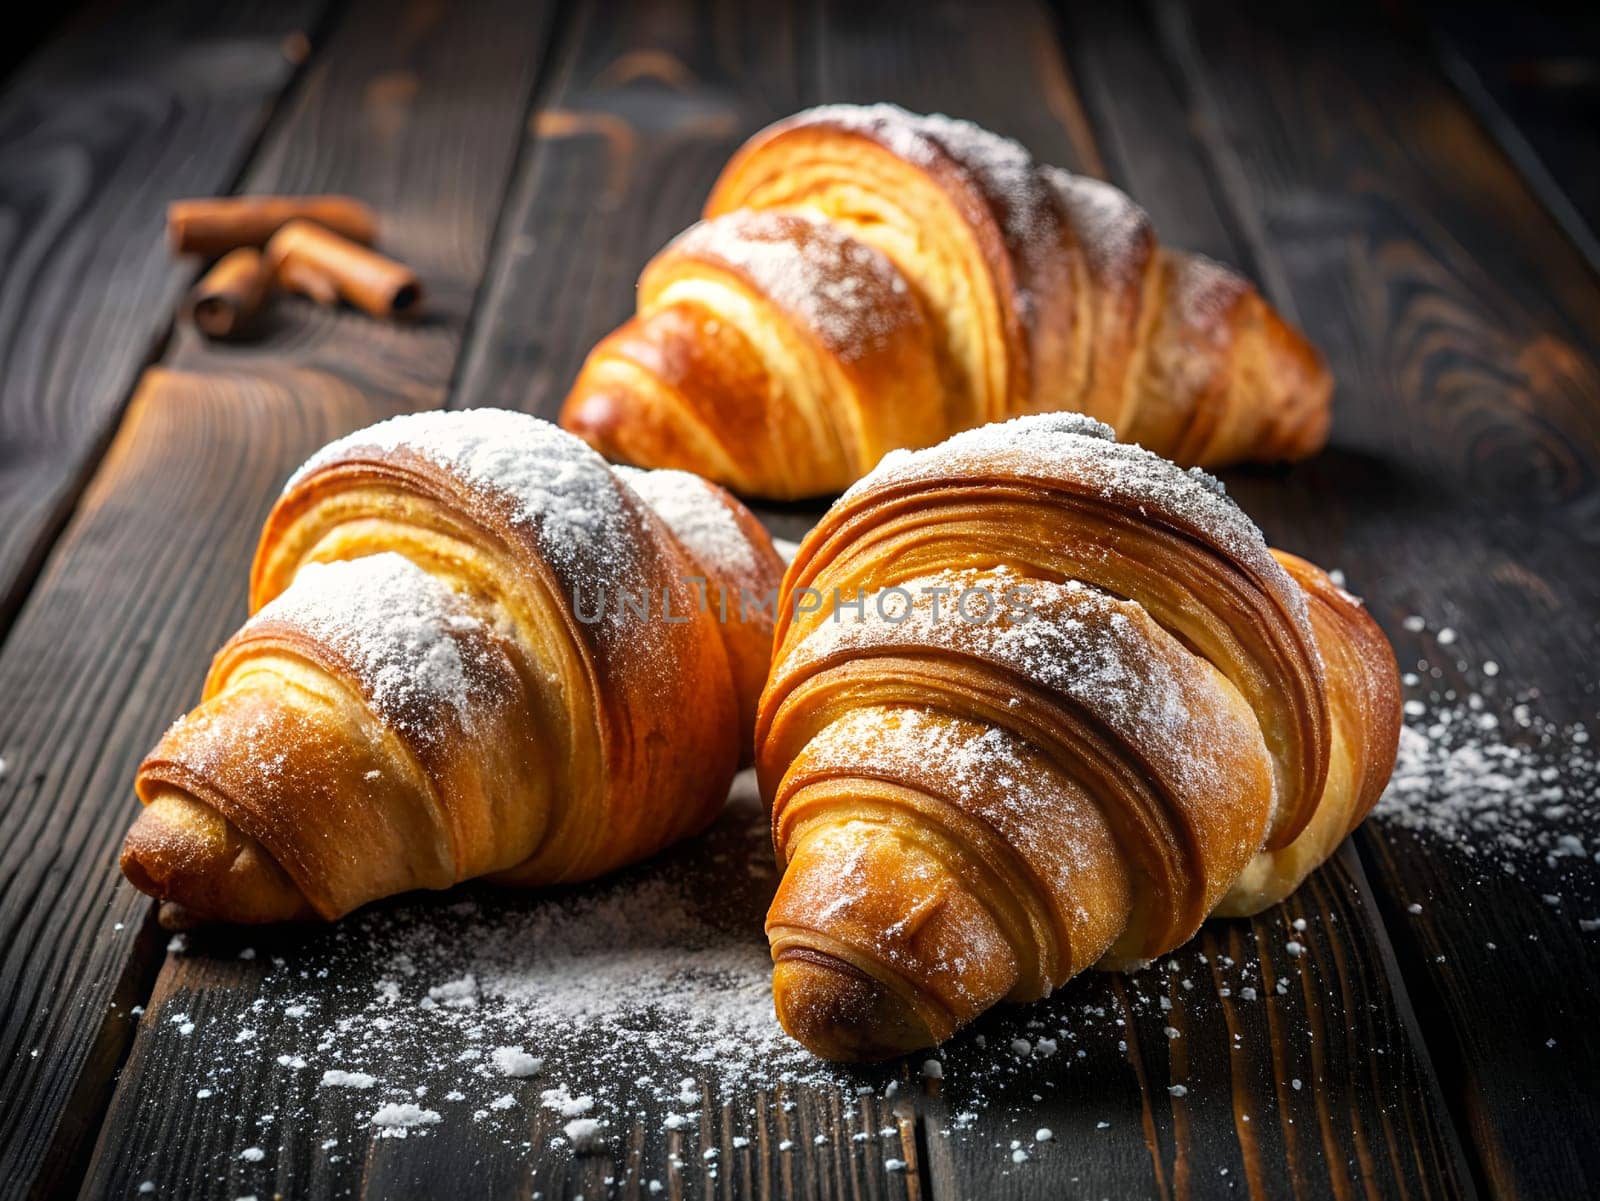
(1002, 69)
(151, 573)
(1375, 1090)
(1463, 329)
(127, 108)
(1368, 1114)
(1142, 127)
(1529, 84)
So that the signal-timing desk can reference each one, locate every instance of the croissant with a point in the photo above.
(476, 650)
(868, 279)
(1042, 701)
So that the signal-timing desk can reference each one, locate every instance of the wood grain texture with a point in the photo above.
(94, 671)
(1461, 485)
(417, 110)
(97, 131)
(651, 102)
(1518, 81)
(1002, 69)
(128, 108)
(151, 573)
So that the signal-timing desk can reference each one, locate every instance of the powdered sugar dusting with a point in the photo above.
(589, 998)
(923, 742)
(897, 128)
(1115, 233)
(662, 1021)
(1078, 642)
(849, 294)
(411, 642)
(557, 489)
(1054, 446)
(698, 516)
(1006, 170)
(1205, 291)
(399, 1120)
(1459, 775)
(1003, 167)
(991, 773)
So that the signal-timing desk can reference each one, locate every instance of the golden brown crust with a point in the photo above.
(1040, 291)
(741, 571)
(1061, 504)
(1118, 245)
(1174, 721)
(770, 352)
(1364, 703)
(683, 390)
(895, 187)
(444, 679)
(185, 851)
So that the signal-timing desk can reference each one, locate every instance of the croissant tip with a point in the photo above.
(203, 869)
(840, 1012)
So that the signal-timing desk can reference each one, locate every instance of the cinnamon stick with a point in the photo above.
(214, 225)
(231, 293)
(301, 278)
(363, 277)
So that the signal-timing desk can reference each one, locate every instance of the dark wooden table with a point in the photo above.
(1441, 1014)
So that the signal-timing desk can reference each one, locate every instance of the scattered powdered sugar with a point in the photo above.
(1510, 789)
(571, 994)
(585, 1135)
(461, 993)
(514, 1061)
(410, 640)
(397, 1121)
(646, 996)
(564, 1103)
(695, 512)
(336, 1078)
(846, 292)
